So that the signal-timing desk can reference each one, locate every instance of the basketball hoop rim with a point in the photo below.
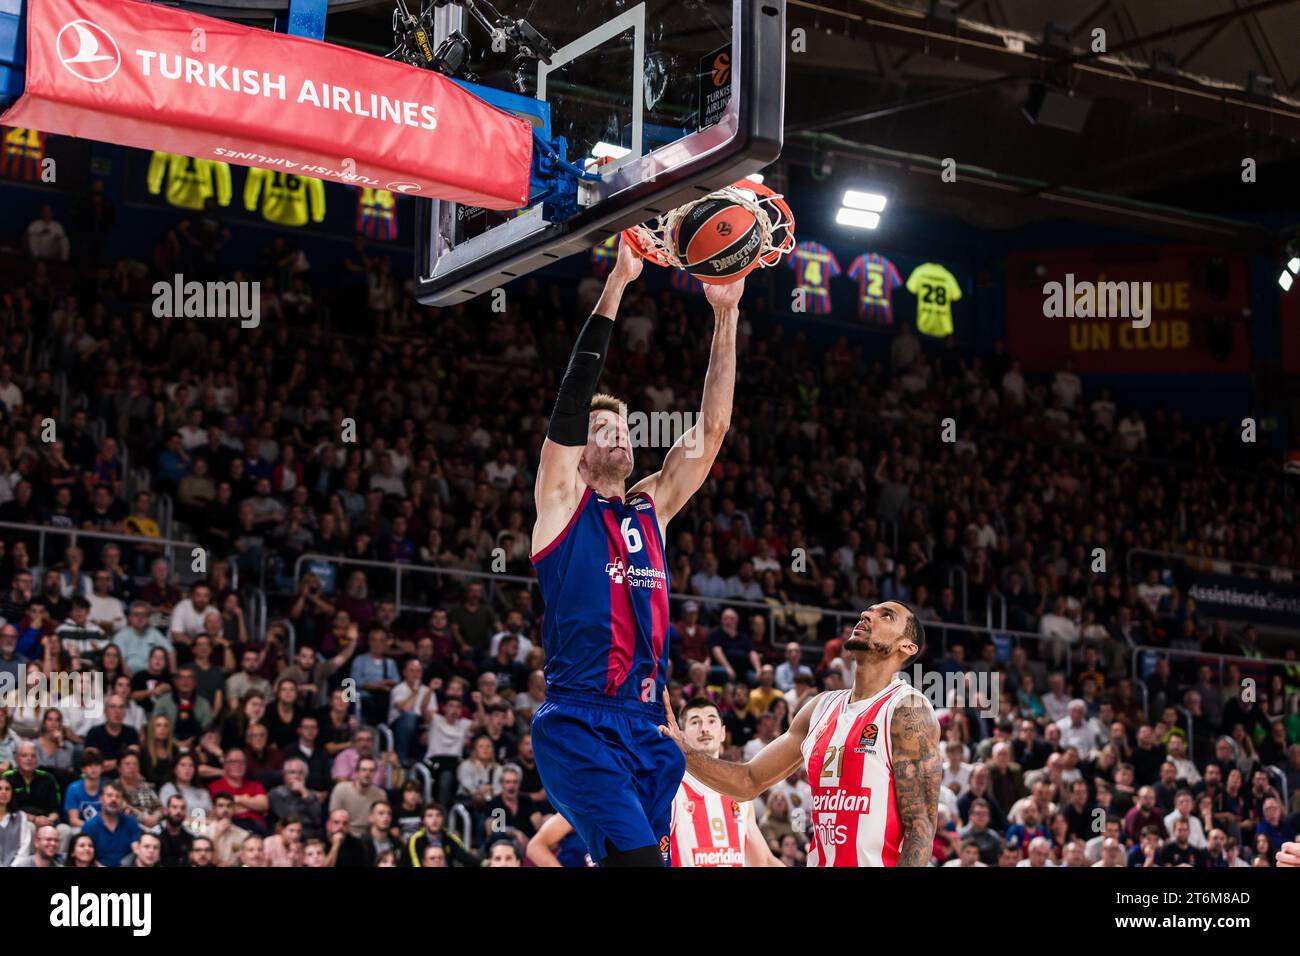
(653, 240)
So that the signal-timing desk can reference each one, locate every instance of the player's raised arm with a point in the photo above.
(744, 781)
(918, 769)
(559, 487)
(688, 462)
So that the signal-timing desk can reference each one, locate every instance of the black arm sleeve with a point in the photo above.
(572, 406)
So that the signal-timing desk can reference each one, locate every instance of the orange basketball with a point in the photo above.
(719, 241)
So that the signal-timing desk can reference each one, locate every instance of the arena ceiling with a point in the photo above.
(889, 88)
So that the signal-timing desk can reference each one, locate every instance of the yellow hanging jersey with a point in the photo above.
(287, 200)
(935, 290)
(190, 181)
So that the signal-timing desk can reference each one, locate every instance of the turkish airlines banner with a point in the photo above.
(1123, 309)
(144, 75)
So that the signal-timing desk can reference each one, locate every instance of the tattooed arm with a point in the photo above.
(914, 739)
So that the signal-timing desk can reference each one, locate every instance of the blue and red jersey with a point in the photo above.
(814, 266)
(604, 585)
(877, 278)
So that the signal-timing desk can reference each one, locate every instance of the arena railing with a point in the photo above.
(790, 613)
(1201, 562)
(41, 531)
(456, 812)
(398, 569)
(988, 609)
(1204, 657)
(425, 776)
(787, 611)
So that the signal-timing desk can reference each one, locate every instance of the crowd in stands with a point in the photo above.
(351, 731)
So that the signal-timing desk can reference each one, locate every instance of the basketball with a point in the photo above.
(719, 241)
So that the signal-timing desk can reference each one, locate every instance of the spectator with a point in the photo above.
(113, 737)
(294, 799)
(184, 783)
(138, 795)
(285, 848)
(345, 848)
(46, 239)
(734, 656)
(1179, 851)
(357, 795)
(137, 639)
(791, 667)
(44, 850)
(113, 830)
(248, 797)
(979, 833)
(175, 839)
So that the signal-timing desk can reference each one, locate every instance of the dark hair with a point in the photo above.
(92, 755)
(508, 840)
(913, 631)
(699, 702)
(80, 602)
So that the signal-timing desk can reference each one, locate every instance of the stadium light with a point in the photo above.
(869, 202)
(1284, 277)
(858, 218)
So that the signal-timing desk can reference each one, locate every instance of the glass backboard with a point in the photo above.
(674, 98)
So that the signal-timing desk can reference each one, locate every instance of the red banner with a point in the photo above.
(145, 75)
(1175, 309)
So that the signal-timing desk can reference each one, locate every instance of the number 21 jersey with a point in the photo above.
(855, 817)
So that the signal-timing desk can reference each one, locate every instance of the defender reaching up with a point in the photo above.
(604, 581)
(872, 754)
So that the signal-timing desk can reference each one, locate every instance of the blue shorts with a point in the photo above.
(607, 769)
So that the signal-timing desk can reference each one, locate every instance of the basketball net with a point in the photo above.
(657, 240)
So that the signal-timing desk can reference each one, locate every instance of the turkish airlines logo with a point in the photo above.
(88, 52)
(722, 69)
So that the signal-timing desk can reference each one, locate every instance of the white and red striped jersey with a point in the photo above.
(709, 829)
(847, 753)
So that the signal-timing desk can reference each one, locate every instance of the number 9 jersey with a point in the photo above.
(604, 588)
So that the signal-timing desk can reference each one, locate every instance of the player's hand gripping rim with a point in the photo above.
(671, 729)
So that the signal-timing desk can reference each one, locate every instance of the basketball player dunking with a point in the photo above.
(872, 754)
(604, 582)
(711, 829)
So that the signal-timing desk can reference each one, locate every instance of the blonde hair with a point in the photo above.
(604, 402)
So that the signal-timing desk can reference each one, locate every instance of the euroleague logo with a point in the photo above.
(88, 51)
(724, 228)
